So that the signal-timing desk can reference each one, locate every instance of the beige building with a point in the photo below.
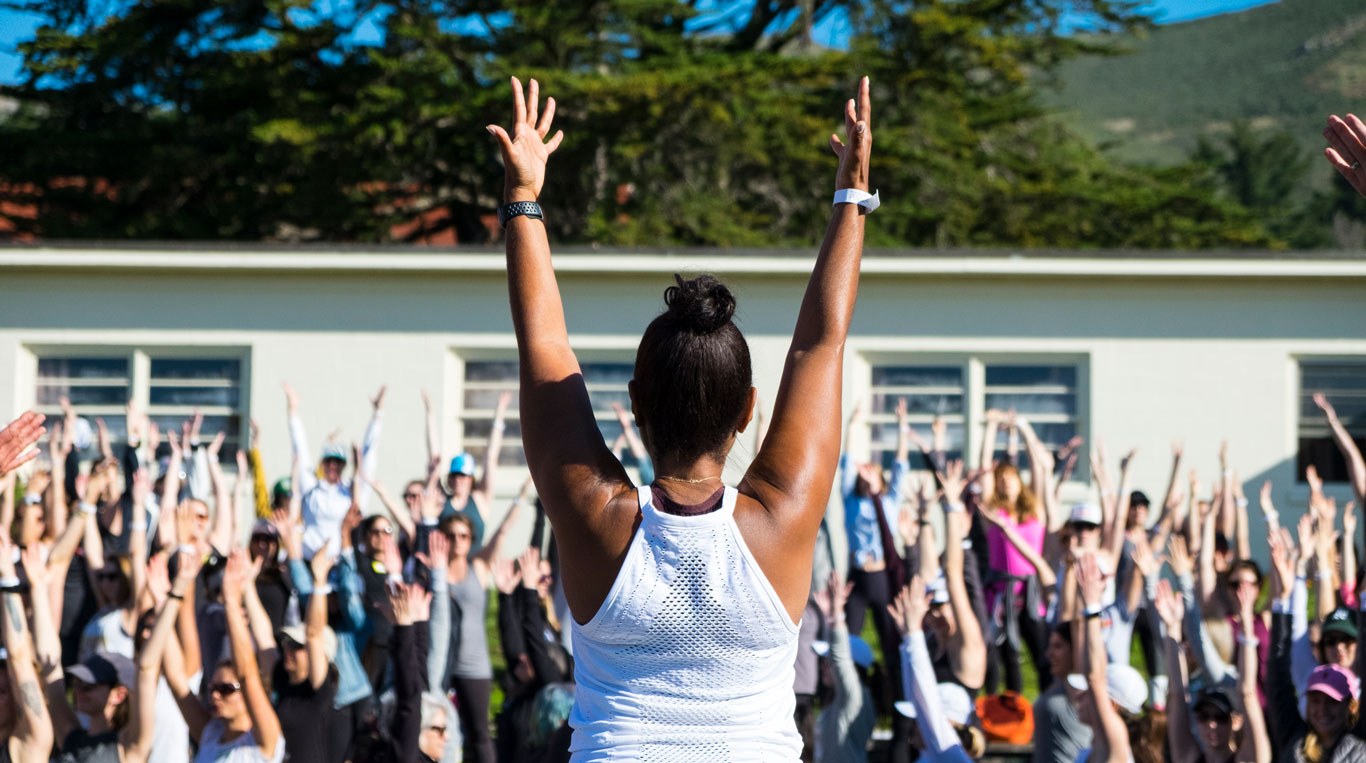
(1137, 348)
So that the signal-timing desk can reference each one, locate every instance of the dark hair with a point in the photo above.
(692, 375)
(1243, 564)
(1064, 632)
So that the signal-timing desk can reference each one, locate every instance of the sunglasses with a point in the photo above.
(438, 729)
(412, 496)
(225, 689)
(291, 645)
(1211, 718)
(382, 530)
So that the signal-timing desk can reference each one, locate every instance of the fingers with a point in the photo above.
(865, 103)
(1344, 169)
(532, 105)
(518, 102)
(500, 135)
(547, 117)
(850, 115)
(836, 145)
(554, 142)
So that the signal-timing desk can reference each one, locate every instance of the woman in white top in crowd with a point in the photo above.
(668, 664)
(941, 738)
(240, 725)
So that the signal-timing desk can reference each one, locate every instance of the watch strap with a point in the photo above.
(517, 209)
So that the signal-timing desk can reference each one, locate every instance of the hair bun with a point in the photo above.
(702, 304)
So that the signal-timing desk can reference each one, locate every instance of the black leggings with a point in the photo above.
(343, 723)
(1002, 656)
(472, 703)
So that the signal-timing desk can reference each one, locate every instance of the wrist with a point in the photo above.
(518, 193)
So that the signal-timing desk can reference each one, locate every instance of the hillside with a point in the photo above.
(1286, 65)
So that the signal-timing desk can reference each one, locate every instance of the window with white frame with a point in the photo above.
(485, 380)
(930, 391)
(169, 387)
(1343, 382)
(960, 392)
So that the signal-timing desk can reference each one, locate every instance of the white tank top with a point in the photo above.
(691, 656)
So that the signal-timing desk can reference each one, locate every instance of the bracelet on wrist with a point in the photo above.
(33, 499)
(87, 508)
(1092, 610)
(506, 212)
(9, 582)
(176, 596)
(867, 202)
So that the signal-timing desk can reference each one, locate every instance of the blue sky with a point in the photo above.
(16, 27)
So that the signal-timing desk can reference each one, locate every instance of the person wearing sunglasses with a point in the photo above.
(305, 680)
(238, 725)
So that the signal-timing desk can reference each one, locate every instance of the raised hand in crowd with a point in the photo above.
(17, 438)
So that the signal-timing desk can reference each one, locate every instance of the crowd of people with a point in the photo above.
(145, 618)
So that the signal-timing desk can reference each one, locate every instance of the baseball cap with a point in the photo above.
(463, 464)
(265, 527)
(1215, 697)
(1139, 498)
(1340, 621)
(954, 700)
(1125, 686)
(104, 669)
(334, 450)
(298, 635)
(858, 649)
(1085, 512)
(1335, 681)
(283, 487)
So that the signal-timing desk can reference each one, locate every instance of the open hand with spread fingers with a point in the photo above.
(526, 150)
(17, 438)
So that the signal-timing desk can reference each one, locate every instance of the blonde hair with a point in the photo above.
(1026, 506)
(1312, 748)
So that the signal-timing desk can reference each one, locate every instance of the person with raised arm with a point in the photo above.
(941, 739)
(846, 723)
(25, 725)
(672, 656)
(469, 578)
(471, 499)
(241, 726)
(304, 679)
(1109, 696)
(872, 506)
(326, 501)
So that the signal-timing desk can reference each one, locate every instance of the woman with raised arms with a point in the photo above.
(685, 593)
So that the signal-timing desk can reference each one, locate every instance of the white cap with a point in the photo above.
(953, 699)
(1125, 686)
(82, 434)
(858, 650)
(1087, 512)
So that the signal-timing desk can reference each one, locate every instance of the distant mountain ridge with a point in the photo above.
(1285, 65)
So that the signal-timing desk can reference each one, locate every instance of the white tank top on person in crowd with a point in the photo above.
(691, 656)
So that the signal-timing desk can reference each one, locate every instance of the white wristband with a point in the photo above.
(867, 202)
(33, 499)
(1093, 611)
(10, 582)
(1250, 641)
(188, 548)
(138, 526)
(87, 508)
(499, 426)
(1241, 503)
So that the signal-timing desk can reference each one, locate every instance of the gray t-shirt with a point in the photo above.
(1058, 733)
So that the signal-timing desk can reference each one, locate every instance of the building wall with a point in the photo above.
(1187, 351)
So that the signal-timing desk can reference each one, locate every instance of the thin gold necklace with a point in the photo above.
(688, 481)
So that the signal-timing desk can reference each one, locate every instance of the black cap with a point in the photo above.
(1340, 621)
(104, 669)
(1139, 498)
(1216, 697)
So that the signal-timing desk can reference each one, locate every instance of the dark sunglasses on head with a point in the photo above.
(225, 689)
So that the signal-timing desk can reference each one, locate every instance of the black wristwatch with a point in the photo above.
(517, 209)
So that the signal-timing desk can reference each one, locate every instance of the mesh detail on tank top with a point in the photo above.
(691, 658)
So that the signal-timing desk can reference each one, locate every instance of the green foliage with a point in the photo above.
(253, 120)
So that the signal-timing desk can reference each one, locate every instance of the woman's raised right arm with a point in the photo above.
(792, 473)
(574, 471)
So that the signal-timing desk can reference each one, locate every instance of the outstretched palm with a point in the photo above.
(525, 153)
